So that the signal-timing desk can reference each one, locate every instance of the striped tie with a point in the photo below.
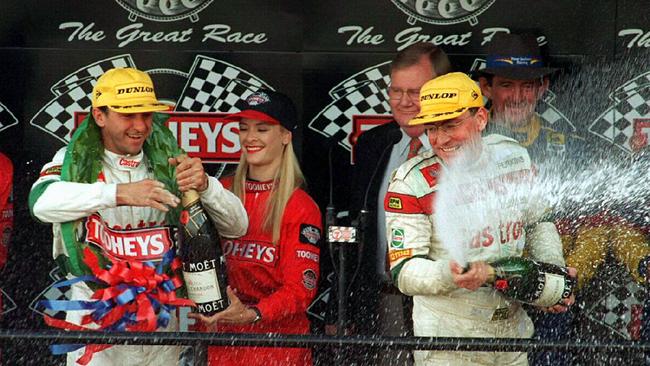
(414, 147)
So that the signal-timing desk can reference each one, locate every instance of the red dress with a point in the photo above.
(281, 280)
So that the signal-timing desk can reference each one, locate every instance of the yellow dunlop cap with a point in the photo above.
(126, 90)
(447, 97)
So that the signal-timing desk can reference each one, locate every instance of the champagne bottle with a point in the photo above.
(204, 270)
(531, 282)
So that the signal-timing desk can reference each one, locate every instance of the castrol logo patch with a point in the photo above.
(129, 163)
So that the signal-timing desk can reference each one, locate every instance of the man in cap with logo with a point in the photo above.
(121, 174)
(376, 307)
(448, 301)
(514, 80)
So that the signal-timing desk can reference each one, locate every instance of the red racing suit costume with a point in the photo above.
(420, 263)
(65, 201)
(6, 208)
(279, 279)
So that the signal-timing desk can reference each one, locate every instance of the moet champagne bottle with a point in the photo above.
(204, 269)
(531, 282)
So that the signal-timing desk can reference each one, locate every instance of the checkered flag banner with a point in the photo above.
(57, 117)
(621, 305)
(7, 119)
(217, 86)
(619, 123)
(52, 293)
(551, 116)
(364, 93)
(73, 94)
(631, 87)
(91, 72)
(378, 74)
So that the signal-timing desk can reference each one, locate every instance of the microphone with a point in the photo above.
(330, 210)
(362, 219)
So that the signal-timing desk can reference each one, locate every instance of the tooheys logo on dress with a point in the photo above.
(140, 244)
(129, 163)
(252, 251)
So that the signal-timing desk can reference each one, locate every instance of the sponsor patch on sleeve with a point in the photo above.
(397, 238)
(430, 174)
(394, 255)
(395, 203)
(307, 254)
(53, 170)
(309, 234)
(309, 279)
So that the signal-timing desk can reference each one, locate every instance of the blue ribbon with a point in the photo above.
(101, 308)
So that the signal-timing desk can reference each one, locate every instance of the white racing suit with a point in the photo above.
(67, 201)
(420, 263)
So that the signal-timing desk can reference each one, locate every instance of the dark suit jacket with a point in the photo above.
(364, 292)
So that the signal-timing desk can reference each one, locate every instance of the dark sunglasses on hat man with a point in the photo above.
(515, 57)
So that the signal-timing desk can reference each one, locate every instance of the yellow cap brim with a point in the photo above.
(421, 119)
(140, 108)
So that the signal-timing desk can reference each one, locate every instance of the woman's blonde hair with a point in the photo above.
(287, 179)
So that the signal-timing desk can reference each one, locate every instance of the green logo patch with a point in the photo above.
(397, 238)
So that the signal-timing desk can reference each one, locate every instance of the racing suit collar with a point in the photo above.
(257, 186)
(123, 162)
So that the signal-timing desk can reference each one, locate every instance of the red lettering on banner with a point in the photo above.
(362, 123)
(141, 244)
(201, 134)
(639, 138)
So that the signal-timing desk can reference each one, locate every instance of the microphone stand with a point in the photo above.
(330, 221)
(357, 235)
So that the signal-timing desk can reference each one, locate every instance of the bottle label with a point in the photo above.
(202, 286)
(551, 291)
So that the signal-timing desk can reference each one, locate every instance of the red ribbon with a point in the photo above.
(122, 277)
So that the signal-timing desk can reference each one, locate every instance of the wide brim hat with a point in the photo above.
(447, 97)
(126, 90)
(515, 57)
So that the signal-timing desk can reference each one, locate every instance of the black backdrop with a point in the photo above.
(329, 56)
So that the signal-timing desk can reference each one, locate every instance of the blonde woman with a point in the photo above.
(273, 268)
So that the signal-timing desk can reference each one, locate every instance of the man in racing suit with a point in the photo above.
(127, 195)
(449, 301)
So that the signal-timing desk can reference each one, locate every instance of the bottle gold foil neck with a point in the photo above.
(189, 198)
(491, 274)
